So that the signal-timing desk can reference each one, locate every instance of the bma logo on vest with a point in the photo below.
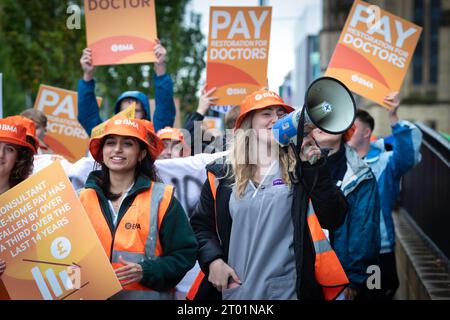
(132, 226)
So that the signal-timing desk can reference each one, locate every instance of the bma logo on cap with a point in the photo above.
(163, 131)
(7, 127)
(127, 122)
(260, 96)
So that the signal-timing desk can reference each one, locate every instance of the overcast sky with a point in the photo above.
(285, 14)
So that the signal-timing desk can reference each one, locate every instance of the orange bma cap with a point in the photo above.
(259, 100)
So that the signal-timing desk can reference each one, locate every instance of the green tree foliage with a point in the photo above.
(37, 47)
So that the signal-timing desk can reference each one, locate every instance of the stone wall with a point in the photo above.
(422, 270)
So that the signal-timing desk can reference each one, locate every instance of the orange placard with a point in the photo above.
(238, 51)
(374, 51)
(50, 246)
(120, 32)
(65, 135)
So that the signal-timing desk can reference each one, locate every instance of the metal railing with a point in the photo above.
(425, 191)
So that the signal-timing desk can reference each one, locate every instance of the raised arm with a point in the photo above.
(205, 101)
(407, 140)
(164, 115)
(88, 112)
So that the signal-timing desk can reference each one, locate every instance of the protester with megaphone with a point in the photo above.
(357, 241)
(252, 243)
(329, 105)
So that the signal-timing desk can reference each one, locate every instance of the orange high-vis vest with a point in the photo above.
(136, 236)
(328, 270)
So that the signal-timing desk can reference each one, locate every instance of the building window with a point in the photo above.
(418, 54)
(435, 16)
(427, 14)
(339, 10)
(314, 58)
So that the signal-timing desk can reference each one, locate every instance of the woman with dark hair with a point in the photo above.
(16, 159)
(141, 225)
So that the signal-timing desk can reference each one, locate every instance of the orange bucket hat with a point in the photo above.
(169, 133)
(122, 126)
(259, 100)
(156, 145)
(30, 127)
(14, 133)
(148, 125)
(174, 134)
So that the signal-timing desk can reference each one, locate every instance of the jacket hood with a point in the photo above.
(139, 96)
(376, 148)
(357, 171)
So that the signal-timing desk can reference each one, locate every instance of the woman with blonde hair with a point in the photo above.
(258, 239)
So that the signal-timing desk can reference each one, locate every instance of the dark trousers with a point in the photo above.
(389, 279)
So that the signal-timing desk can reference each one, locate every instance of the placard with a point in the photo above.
(238, 52)
(374, 52)
(51, 249)
(120, 32)
(65, 135)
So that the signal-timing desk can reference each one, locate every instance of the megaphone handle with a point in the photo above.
(297, 149)
(300, 131)
(293, 176)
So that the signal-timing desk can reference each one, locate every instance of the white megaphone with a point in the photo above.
(329, 105)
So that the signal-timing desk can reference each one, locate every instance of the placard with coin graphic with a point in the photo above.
(51, 249)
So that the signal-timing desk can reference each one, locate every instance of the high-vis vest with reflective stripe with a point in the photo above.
(328, 271)
(136, 236)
